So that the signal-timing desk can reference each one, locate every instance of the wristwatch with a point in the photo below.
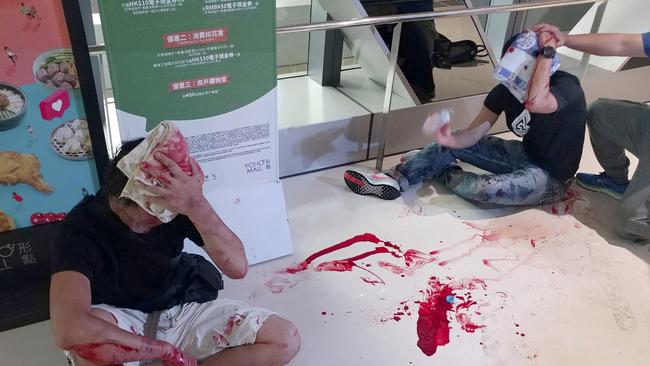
(548, 51)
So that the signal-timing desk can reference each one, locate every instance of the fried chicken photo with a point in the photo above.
(22, 168)
(6, 222)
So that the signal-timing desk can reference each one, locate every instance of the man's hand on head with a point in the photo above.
(179, 191)
(560, 37)
(547, 39)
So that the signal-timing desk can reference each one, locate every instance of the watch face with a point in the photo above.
(548, 52)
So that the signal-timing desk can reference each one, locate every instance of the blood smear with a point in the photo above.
(344, 244)
(433, 314)
(433, 324)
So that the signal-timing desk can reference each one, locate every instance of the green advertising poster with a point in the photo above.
(208, 66)
(189, 59)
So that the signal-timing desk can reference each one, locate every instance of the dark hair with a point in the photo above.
(114, 179)
(508, 43)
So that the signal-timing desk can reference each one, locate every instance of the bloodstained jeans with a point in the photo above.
(514, 180)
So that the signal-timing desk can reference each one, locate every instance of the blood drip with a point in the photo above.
(433, 324)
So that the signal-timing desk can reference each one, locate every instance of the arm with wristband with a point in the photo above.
(601, 44)
(540, 99)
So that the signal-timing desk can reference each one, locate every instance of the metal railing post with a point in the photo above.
(595, 26)
(384, 118)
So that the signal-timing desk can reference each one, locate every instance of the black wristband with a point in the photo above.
(548, 52)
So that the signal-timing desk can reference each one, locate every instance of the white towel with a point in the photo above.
(167, 139)
(516, 67)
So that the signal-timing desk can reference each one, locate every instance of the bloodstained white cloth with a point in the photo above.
(517, 65)
(167, 139)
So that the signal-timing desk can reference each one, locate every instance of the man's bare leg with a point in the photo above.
(276, 344)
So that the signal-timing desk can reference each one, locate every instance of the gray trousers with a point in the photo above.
(616, 126)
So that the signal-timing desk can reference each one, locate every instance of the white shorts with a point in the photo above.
(199, 330)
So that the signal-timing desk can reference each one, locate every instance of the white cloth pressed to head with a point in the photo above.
(167, 139)
(518, 63)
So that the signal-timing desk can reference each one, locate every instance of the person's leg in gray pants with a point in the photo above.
(616, 126)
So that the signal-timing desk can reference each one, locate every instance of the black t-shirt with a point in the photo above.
(145, 272)
(554, 140)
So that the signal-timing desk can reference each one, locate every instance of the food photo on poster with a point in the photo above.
(46, 154)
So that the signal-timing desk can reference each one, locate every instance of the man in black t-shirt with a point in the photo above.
(122, 290)
(533, 171)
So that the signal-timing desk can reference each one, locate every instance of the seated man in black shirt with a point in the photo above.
(529, 172)
(122, 290)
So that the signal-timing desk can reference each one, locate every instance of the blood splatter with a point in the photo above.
(278, 284)
(372, 281)
(396, 269)
(533, 243)
(415, 259)
(222, 338)
(487, 263)
(486, 235)
(16, 197)
(433, 322)
(344, 265)
(434, 311)
(567, 202)
(466, 324)
(369, 238)
(117, 354)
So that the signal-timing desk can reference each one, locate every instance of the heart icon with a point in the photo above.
(57, 105)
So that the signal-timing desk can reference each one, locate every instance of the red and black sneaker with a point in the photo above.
(375, 184)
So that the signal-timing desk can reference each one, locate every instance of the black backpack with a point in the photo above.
(447, 53)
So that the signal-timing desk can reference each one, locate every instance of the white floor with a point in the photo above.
(580, 296)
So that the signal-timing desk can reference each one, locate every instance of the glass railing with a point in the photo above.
(336, 57)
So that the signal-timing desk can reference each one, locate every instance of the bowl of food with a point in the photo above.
(13, 105)
(71, 140)
(56, 69)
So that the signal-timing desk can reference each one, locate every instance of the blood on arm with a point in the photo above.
(117, 354)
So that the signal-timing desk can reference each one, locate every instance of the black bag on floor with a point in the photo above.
(447, 53)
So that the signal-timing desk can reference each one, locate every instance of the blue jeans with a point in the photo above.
(515, 179)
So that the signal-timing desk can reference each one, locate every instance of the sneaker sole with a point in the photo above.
(360, 185)
(606, 191)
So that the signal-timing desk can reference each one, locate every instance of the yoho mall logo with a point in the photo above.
(257, 166)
